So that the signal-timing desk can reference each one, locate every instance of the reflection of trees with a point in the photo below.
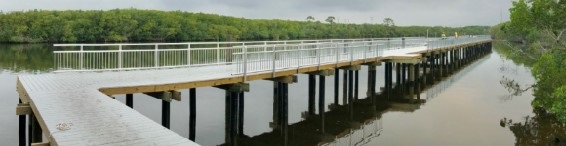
(514, 53)
(513, 88)
(542, 129)
(26, 57)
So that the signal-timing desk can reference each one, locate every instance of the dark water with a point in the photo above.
(469, 107)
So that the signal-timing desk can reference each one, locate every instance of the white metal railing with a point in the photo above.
(100, 57)
(262, 58)
(248, 57)
(440, 43)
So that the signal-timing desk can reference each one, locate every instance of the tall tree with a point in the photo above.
(330, 19)
(388, 22)
(310, 18)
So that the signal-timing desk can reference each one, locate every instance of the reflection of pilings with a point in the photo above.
(403, 73)
(432, 63)
(412, 74)
(453, 59)
(403, 83)
(345, 88)
(398, 73)
(388, 78)
(424, 75)
(461, 59)
(357, 84)
(241, 114)
(417, 81)
(441, 64)
(284, 111)
(276, 105)
(321, 102)
(350, 86)
(336, 85)
(372, 71)
(192, 114)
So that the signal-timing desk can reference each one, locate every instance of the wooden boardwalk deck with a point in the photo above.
(74, 108)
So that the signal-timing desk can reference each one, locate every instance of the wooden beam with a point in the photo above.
(326, 72)
(352, 67)
(22, 92)
(166, 95)
(23, 109)
(285, 79)
(238, 87)
(176, 95)
(377, 63)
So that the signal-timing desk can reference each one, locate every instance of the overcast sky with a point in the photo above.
(403, 12)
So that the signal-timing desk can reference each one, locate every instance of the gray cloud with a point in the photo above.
(404, 12)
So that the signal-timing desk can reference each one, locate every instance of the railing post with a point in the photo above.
(300, 54)
(317, 51)
(156, 56)
(403, 42)
(376, 50)
(388, 43)
(245, 63)
(120, 57)
(188, 54)
(273, 62)
(337, 53)
(81, 61)
(351, 53)
(218, 53)
(365, 55)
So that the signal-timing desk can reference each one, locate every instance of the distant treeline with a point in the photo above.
(133, 25)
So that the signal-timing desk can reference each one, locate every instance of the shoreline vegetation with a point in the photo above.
(135, 25)
(536, 33)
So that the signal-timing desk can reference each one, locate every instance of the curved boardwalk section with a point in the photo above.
(76, 108)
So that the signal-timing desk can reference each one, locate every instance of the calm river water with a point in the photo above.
(470, 107)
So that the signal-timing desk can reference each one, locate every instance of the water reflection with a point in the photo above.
(541, 129)
(26, 57)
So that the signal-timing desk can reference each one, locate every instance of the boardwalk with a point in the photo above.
(75, 108)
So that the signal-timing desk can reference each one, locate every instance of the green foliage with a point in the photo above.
(550, 73)
(559, 107)
(522, 18)
(539, 26)
(132, 25)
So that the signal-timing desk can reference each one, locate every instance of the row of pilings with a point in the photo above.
(410, 80)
